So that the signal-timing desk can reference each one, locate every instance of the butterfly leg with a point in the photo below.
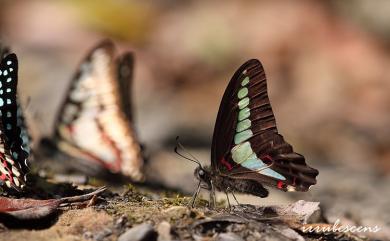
(227, 197)
(194, 196)
(234, 196)
(212, 196)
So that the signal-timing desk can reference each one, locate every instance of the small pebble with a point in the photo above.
(103, 234)
(309, 211)
(142, 232)
(229, 237)
(164, 231)
(121, 222)
(87, 235)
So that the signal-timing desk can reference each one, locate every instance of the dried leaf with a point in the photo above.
(27, 209)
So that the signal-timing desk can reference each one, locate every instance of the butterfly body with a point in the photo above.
(247, 151)
(225, 183)
(94, 124)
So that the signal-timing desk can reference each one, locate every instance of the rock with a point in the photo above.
(164, 231)
(103, 234)
(87, 235)
(142, 232)
(228, 237)
(290, 234)
(121, 222)
(176, 212)
(309, 212)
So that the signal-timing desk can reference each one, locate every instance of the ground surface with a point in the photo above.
(165, 216)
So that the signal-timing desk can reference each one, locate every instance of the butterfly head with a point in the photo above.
(203, 174)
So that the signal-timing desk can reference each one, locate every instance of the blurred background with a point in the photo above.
(327, 63)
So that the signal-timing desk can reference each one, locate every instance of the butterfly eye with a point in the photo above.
(201, 172)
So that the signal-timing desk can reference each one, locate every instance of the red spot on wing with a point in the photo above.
(267, 159)
(5, 165)
(226, 164)
(116, 167)
(280, 184)
(70, 129)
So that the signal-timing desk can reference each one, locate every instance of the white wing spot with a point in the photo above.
(16, 181)
(5, 73)
(9, 62)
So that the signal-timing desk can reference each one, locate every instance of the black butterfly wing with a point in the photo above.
(92, 124)
(246, 143)
(21, 122)
(13, 157)
(24, 133)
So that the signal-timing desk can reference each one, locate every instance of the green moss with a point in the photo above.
(173, 209)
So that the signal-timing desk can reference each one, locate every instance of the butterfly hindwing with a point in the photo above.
(125, 65)
(93, 123)
(13, 157)
(246, 142)
(24, 133)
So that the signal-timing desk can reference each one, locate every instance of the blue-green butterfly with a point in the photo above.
(247, 151)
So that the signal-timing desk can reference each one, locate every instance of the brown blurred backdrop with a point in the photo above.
(327, 62)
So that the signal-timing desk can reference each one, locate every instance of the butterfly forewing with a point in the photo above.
(246, 142)
(13, 157)
(92, 124)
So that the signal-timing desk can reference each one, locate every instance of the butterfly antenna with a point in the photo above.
(178, 144)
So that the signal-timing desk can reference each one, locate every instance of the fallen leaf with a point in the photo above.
(28, 209)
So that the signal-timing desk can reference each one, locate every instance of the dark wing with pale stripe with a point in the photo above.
(93, 123)
(13, 157)
(246, 142)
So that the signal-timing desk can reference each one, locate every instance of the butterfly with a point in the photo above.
(14, 147)
(20, 119)
(95, 124)
(247, 151)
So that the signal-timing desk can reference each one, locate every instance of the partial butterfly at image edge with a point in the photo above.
(13, 166)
